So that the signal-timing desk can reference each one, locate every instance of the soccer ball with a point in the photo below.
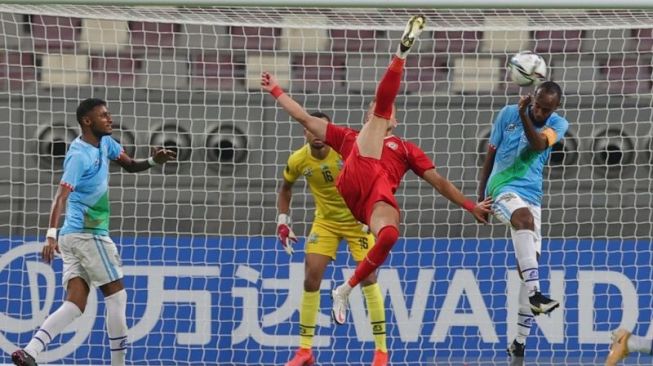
(527, 68)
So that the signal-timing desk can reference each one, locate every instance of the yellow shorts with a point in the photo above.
(325, 236)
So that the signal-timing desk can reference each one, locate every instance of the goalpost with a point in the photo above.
(207, 281)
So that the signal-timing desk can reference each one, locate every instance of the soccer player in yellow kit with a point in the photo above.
(320, 166)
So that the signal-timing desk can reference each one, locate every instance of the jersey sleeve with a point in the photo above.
(335, 136)
(497, 129)
(556, 130)
(114, 148)
(74, 167)
(417, 159)
(292, 171)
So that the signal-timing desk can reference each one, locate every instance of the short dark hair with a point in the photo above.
(321, 115)
(86, 106)
(550, 87)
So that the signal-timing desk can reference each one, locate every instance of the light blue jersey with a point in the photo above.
(517, 168)
(86, 172)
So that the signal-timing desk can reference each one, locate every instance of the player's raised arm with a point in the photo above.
(479, 210)
(159, 156)
(317, 126)
(537, 140)
(103, 117)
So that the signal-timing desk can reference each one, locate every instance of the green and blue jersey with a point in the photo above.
(86, 173)
(518, 168)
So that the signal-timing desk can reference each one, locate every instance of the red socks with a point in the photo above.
(388, 88)
(388, 236)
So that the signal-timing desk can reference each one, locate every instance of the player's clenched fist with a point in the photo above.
(285, 234)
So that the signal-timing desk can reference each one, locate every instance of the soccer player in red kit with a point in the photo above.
(375, 163)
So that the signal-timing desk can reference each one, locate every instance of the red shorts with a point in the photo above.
(362, 183)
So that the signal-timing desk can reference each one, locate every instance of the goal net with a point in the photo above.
(207, 281)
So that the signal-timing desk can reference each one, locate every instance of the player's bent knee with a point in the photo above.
(388, 236)
(312, 284)
(386, 239)
(78, 301)
(77, 292)
(369, 280)
(522, 219)
(383, 215)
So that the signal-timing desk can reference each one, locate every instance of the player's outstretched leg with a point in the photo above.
(413, 29)
(370, 138)
(619, 348)
(388, 88)
(386, 238)
(51, 327)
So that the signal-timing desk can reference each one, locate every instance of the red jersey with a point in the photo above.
(397, 157)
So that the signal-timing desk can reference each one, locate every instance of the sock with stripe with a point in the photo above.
(308, 318)
(376, 308)
(116, 305)
(524, 243)
(525, 316)
(52, 326)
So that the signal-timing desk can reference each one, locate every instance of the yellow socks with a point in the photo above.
(376, 309)
(308, 318)
(309, 310)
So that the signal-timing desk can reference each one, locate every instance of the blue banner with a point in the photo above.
(234, 301)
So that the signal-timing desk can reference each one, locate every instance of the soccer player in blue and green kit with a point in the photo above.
(519, 147)
(90, 258)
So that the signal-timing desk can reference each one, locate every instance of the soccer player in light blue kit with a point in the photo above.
(519, 147)
(90, 257)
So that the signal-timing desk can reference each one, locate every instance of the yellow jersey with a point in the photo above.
(321, 178)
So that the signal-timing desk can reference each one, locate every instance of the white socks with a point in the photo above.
(639, 344)
(116, 305)
(525, 316)
(524, 243)
(52, 326)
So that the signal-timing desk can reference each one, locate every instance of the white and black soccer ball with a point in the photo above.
(527, 68)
